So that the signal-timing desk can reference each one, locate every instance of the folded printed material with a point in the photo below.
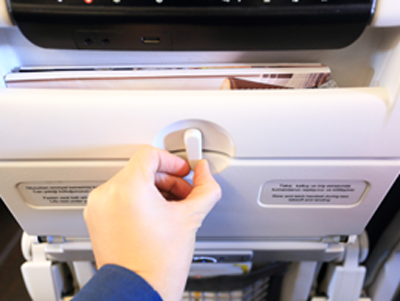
(256, 76)
(204, 270)
(232, 83)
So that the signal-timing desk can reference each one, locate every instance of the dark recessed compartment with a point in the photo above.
(202, 25)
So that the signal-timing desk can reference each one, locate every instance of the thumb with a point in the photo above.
(206, 191)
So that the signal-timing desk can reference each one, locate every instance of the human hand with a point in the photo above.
(145, 218)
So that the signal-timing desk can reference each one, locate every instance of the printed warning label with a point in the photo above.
(57, 193)
(310, 192)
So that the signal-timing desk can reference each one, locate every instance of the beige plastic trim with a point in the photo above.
(5, 20)
(387, 13)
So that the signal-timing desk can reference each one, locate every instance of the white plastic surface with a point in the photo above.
(345, 281)
(46, 124)
(305, 134)
(84, 271)
(347, 284)
(214, 138)
(387, 13)
(41, 281)
(26, 246)
(298, 280)
(237, 216)
(278, 250)
(194, 146)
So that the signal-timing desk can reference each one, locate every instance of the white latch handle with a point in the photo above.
(193, 141)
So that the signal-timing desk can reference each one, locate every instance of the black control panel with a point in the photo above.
(192, 24)
(190, 3)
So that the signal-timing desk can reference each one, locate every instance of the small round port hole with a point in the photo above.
(88, 42)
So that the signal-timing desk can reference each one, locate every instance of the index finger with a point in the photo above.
(154, 160)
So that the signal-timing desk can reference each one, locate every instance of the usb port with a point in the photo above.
(151, 40)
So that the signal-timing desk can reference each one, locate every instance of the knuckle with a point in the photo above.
(92, 195)
(197, 219)
(141, 151)
(114, 190)
(147, 148)
(216, 191)
(145, 152)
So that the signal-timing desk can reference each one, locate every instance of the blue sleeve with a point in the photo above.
(113, 282)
